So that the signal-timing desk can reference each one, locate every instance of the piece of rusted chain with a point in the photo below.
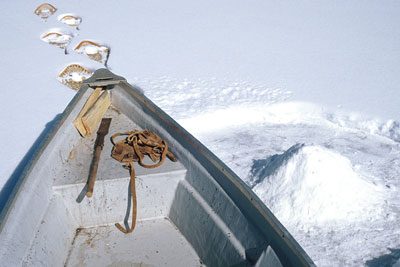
(152, 145)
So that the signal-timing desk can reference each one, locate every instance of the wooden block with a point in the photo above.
(89, 103)
(93, 116)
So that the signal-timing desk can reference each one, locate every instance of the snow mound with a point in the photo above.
(314, 186)
(386, 128)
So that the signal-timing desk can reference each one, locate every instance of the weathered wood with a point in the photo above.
(93, 171)
(89, 103)
(98, 147)
(93, 116)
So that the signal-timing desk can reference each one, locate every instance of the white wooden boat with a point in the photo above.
(193, 212)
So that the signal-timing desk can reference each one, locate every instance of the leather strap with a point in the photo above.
(134, 204)
(133, 149)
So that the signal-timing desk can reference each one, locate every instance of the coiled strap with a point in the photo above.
(133, 149)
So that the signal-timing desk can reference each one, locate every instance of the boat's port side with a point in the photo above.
(32, 200)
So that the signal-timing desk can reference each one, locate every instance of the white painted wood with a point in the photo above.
(108, 205)
(54, 236)
(155, 242)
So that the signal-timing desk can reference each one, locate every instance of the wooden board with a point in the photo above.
(89, 103)
(92, 117)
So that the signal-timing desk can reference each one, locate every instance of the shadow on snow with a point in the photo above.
(387, 260)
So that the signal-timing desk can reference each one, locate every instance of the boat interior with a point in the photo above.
(185, 217)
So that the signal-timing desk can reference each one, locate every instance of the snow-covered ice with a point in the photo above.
(330, 176)
(315, 186)
(299, 99)
(70, 19)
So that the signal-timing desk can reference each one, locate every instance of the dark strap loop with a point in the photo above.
(144, 143)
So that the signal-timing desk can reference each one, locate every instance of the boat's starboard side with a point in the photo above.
(275, 234)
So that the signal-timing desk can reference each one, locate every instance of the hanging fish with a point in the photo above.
(45, 10)
(57, 38)
(70, 20)
(93, 50)
(74, 75)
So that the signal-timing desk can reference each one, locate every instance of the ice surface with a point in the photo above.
(250, 80)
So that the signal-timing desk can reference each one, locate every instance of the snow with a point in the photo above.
(251, 80)
(341, 200)
(315, 186)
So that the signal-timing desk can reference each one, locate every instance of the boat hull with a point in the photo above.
(206, 211)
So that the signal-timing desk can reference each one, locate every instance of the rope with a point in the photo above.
(134, 148)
